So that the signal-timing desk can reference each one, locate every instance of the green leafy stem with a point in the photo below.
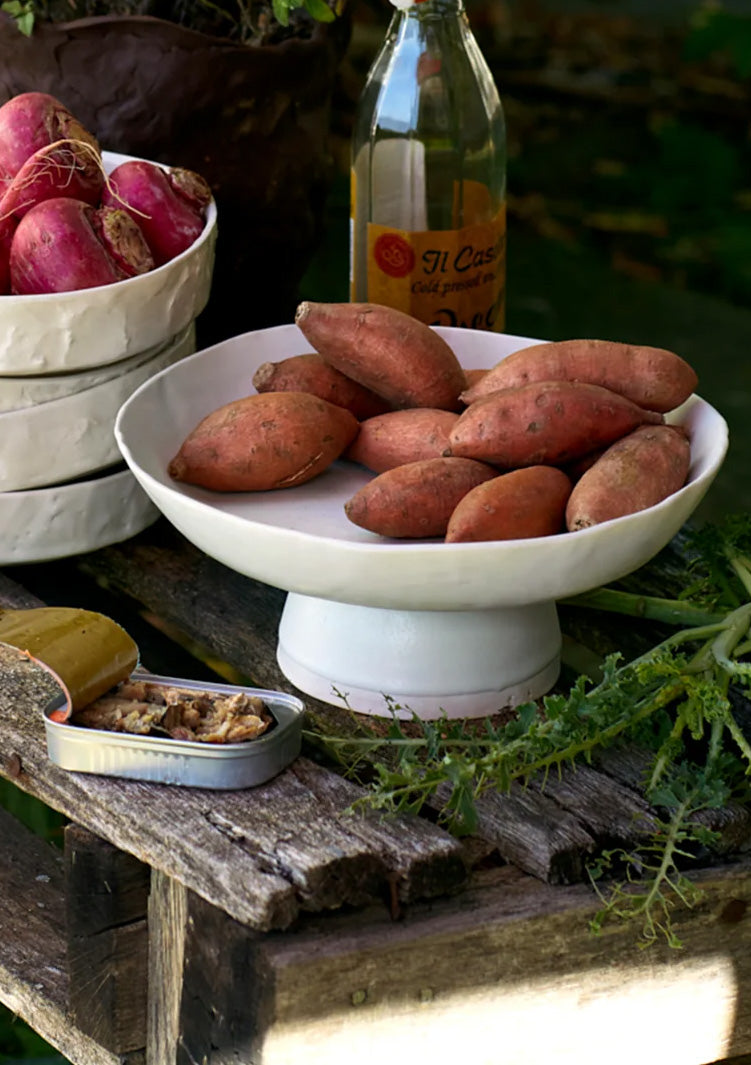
(674, 701)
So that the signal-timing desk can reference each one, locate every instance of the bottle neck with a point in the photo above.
(429, 9)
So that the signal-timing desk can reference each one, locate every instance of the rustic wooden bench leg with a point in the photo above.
(106, 904)
(168, 908)
(210, 996)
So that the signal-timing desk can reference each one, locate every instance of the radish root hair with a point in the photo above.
(63, 158)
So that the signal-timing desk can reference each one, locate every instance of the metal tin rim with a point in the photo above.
(286, 709)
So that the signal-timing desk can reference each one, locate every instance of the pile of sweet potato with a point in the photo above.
(558, 436)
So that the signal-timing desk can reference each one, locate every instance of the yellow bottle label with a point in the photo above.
(443, 277)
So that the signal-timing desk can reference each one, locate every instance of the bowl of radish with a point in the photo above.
(102, 256)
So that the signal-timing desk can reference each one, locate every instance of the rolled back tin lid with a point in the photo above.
(87, 652)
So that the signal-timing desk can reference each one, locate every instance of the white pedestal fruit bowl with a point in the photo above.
(392, 626)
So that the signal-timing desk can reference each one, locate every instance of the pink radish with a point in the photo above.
(66, 168)
(169, 205)
(62, 245)
(34, 120)
(7, 229)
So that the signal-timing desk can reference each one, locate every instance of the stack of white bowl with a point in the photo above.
(67, 363)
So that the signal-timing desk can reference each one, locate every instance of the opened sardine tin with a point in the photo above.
(190, 763)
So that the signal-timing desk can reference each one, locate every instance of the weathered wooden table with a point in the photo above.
(271, 926)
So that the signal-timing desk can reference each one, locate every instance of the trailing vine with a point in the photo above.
(679, 701)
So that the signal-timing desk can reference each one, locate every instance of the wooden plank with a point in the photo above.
(33, 972)
(731, 823)
(106, 902)
(507, 967)
(209, 988)
(261, 854)
(227, 991)
(168, 916)
(510, 969)
(533, 832)
(237, 619)
(550, 834)
(612, 812)
(14, 595)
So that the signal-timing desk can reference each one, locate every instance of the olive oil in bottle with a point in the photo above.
(428, 179)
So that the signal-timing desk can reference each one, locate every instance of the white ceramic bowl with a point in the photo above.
(392, 626)
(301, 540)
(73, 435)
(19, 393)
(50, 523)
(68, 331)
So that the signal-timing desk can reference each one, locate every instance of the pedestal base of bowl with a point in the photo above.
(428, 663)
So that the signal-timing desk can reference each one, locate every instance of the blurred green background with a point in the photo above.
(629, 175)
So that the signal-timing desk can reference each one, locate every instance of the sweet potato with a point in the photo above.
(546, 424)
(474, 376)
(513, 506)
(578, 466)
(401, 436)
(634, 473)
(415, 501)
(263, 442)
(311, 373)
(653, 378)
(394, 355)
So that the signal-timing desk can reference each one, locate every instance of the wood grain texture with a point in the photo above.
(237, 619)
(33, 971)
(228, 996)
(262, 854)
(168, 914)
(550, 832)
(284, 927)
(534, 833)
(508, 971)
(106, 897)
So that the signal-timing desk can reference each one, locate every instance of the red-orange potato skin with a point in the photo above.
(401, 436)
(310, 372)
(262, 442)
(474, 376)
(387, 351)
(518, 505)
(545, 424)
(577, 467)
(653, 378)
(415, 501)
(636, 472)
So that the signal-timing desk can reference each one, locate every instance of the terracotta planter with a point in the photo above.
(253, 120)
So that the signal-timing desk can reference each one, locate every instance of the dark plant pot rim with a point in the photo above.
(189, 37)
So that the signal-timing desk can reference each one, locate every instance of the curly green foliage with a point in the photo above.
(673, 701)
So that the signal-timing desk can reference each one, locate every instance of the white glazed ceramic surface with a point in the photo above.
(72, 436)
(300, 539)
(50, 523)
(18, 393)
(69, 331)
